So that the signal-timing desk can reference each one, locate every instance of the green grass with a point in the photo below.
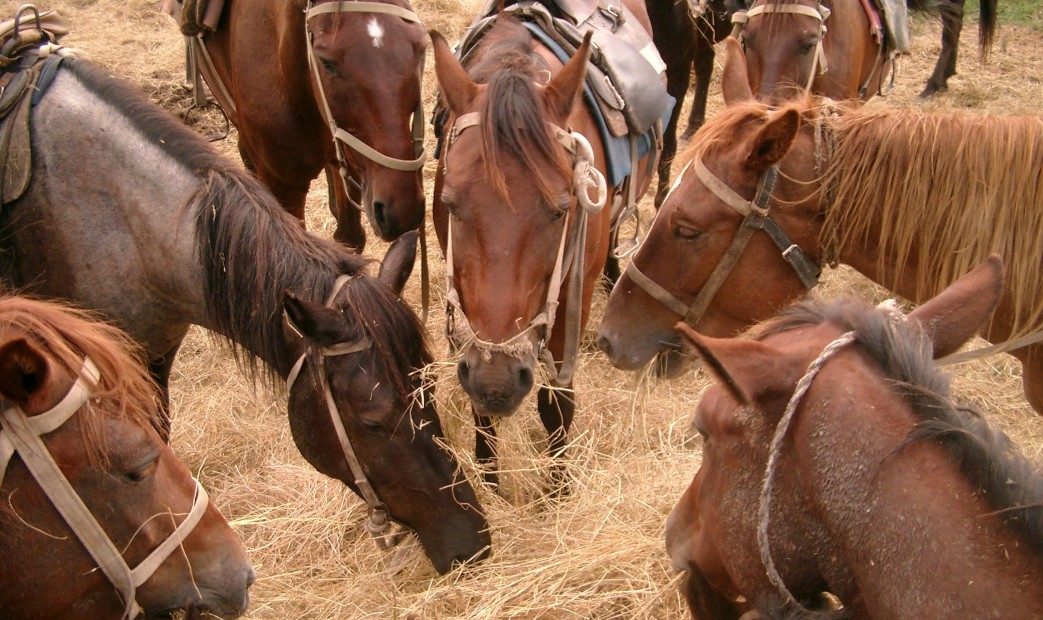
(1020, 12)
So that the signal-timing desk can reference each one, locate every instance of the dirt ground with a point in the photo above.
(597, 554)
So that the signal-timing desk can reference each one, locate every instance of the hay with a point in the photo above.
(597, 554)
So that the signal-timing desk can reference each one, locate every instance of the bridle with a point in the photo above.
(756, 216)
(379, 520)
(341, 137)
(21, 435)
(821, 13)
(533, 339)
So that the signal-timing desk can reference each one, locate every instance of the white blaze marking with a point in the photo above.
(376, 32)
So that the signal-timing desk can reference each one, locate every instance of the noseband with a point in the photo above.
(755, 217)
(342, 137)
(21, 435)
(568, 261)
(379, 515)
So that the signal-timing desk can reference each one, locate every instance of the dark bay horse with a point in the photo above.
(518, 211)
(834, 460)
(835, 47)
(134, 215)
(327, 85)
(908, 198)
(87, 487)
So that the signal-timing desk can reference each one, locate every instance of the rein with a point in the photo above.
(379, 520)
(21, 434)
(819, 65)
(568, 262)
(755, 217)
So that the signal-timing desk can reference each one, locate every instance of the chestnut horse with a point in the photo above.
(833, 47)
(89, 489)
(518, 210)
(328, 85)
(906, 197)
(166, 233)
(834, 460)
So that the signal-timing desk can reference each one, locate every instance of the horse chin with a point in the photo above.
(670, 364)
(495, 411)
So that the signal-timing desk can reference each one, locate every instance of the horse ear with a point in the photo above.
(399, 260)
(735, 81)
(23, 371)
(458, 89)
(956, 314)
(711, 351)
(323, 326)
(561, 93)
(773, 140)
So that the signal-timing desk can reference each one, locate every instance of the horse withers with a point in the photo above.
(769, 195)
(166, 233)
(834, 461)
(519, 208)
(339, 90)
(89, 489)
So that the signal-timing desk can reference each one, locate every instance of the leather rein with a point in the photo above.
(568, 262)
(21, 435)
(756, 216)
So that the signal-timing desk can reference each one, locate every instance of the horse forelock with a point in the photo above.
(1007, 481)
(972, 182)
(513, 119)
(67, 334)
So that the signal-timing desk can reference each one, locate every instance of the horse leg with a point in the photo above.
(349, 219)
(1032, 375)
(678, 74)
(952, 24)
(485, 448)
(557, 408)
(703, 61)
(159, 369)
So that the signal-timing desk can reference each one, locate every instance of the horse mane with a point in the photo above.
(252, 250)
(960, 185)
(512, 118)
(66, 334)
(1008, 482)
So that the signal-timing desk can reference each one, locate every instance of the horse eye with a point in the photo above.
(372, 426)
(807, 46)
(328, 66)
(686, 233)
(143, 472)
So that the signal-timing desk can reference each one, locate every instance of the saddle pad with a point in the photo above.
(15, 139)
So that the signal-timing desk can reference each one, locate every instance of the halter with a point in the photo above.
(569, 259)
(822, 13)
(341, 137)
(379, 520)
(755, 217)
(21, 434)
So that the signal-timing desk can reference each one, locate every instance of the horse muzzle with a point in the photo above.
(496, 382)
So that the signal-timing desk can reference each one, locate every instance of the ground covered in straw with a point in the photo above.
(597, 554)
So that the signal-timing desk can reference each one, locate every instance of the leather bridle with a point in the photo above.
(21, 435)
(756, 216)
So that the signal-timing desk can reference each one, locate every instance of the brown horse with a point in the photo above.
(520, 223)
(166, 233)
(328, 85)
(89, 489)
(908, 198)
(835, 47)
(834, 460)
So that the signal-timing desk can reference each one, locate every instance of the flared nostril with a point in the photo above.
(605, 345)
(251, 576)
(380, 215)
(525, 379)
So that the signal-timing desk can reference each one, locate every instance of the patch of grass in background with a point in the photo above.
(1022, 12)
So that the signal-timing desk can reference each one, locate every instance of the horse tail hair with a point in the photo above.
(986, 26)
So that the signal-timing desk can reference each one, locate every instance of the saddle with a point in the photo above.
(29, 60)
(195, 17)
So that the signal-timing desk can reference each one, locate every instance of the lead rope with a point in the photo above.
(764, 509)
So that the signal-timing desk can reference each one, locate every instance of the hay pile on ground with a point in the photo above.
(596, 554)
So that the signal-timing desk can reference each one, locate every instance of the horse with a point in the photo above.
(339, 90)
(685, 34)
(836, 48)
(835, 461)
(77, 450)
(160, 232)
(908, 198)
(524, 235)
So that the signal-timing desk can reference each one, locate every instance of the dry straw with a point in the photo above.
(597, 554)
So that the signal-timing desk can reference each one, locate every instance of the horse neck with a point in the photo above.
(898, 516)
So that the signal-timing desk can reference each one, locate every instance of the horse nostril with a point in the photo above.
(605, 345)
(525, 379)
(463, 371)
(251, 577)
(380, 214)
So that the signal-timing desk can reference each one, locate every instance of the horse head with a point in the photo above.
(377, 122)
(705, 258)
(90, 472)
(504, 199)
(380, 432)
